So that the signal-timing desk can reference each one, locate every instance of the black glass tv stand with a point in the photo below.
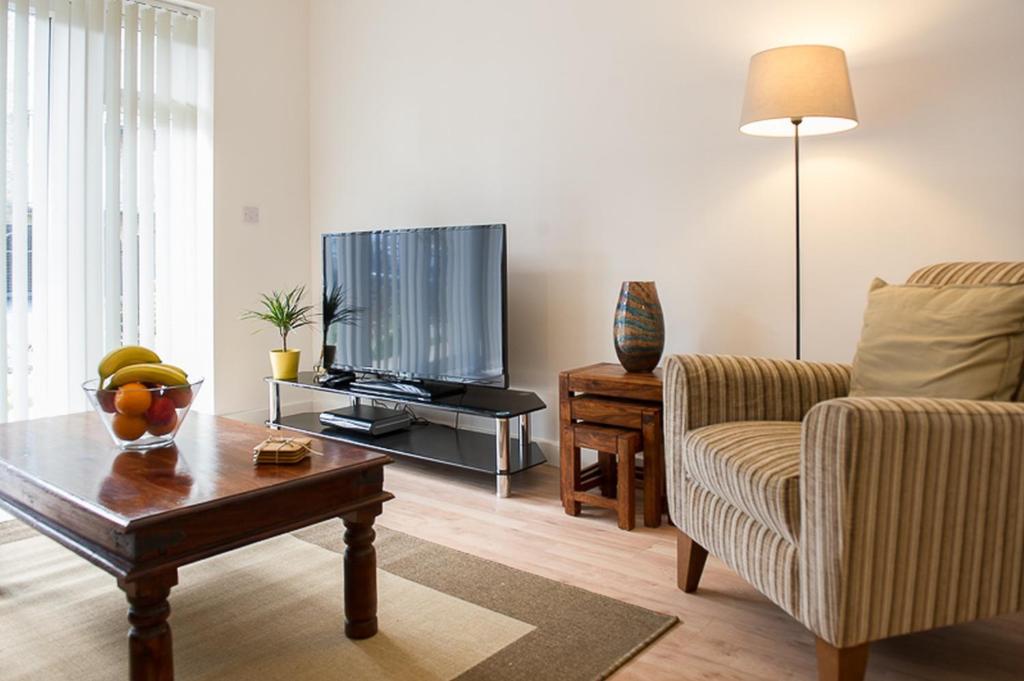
(498, 454)
(420, 391)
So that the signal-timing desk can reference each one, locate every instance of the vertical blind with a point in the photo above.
(99, 175)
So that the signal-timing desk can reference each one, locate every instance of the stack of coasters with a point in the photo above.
(286, 450)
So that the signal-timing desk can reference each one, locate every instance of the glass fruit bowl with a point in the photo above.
(140, 417)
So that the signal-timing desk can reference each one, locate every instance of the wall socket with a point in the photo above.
(251, 215)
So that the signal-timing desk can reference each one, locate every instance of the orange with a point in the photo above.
(132, 399)
(128, 427)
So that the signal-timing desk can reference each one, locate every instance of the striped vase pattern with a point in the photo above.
(639, 326)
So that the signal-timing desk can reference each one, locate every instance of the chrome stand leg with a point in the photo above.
(503, 446)
(275, 405)
(524, 438)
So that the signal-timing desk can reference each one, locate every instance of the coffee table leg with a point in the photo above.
(149, 639)
(360, 576)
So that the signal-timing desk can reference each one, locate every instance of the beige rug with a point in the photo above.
(273, 611)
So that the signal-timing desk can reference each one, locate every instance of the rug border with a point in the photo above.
(615, 664)
(669, 621)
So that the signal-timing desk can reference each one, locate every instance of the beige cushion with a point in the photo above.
(958, 341)
(753, 465)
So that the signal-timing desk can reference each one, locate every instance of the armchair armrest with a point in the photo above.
(701, 390)
(912, 515)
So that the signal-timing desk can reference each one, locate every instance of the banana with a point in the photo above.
(178, 369)
(160, 374)
(123, 357)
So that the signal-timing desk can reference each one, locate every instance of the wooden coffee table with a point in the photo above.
(140, 516)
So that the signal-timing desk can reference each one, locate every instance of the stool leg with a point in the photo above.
(606, 462)
(654, 469)
(626, 485)
(570, 460)
(652, 496)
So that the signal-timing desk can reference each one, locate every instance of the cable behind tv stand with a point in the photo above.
(498, 454)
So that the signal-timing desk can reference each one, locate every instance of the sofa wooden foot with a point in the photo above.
(841, 664)
(690, 559)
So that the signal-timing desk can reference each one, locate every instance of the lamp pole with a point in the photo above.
(796, 159)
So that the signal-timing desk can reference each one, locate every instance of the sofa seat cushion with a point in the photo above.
(754, 465)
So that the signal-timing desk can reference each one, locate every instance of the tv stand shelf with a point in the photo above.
(497, 454)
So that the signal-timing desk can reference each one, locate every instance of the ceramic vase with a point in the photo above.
(639, 326)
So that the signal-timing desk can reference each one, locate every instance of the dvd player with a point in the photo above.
(366, 419)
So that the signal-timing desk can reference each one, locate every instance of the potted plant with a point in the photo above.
(333, 310)
(285, 312)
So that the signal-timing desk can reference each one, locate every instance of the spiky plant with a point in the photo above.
(333, 310)
(284, 311)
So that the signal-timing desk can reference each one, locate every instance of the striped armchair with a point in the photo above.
(863, 518)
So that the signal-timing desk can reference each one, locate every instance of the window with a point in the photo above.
(101, 171)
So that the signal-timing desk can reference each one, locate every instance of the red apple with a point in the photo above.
(161, 412)
(106, 400)
(164, 428)
(181, 396)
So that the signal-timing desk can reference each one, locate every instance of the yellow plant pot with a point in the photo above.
(284, 364)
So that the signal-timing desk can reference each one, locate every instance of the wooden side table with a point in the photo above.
(605, 394)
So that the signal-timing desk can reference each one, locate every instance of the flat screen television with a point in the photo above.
(431, 303)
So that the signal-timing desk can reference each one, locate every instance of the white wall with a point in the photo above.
(605, 134)
(261, 158)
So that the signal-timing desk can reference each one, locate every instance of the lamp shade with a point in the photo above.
(806, 82)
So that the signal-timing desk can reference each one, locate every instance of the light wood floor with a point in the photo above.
(727, 631)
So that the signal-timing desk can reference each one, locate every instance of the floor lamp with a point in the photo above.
(793, 91)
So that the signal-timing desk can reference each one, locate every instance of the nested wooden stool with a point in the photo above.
(607, 395)
(614, 472)
(644, 419)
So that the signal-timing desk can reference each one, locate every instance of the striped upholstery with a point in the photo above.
(754, 465)
(911, 510)
(723, 388)
(913, 515)
(703, 390)
(760, 556)
(970, 273)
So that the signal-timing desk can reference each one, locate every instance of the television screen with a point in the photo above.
(430, 303)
